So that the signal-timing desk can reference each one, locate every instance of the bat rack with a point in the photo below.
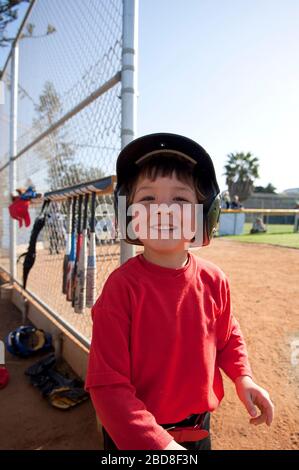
(100, 186)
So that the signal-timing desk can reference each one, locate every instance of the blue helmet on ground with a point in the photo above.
(25, 341)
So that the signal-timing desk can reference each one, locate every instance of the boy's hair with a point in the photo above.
(164, 165)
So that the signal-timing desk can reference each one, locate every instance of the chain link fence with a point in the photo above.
(4, 158)
(70, 121)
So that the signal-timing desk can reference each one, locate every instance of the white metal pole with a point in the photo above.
(129, 90)
(13, 153)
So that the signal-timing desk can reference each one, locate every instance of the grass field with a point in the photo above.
(281, 235)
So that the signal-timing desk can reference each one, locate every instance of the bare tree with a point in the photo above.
(57, 149)
(8, 14)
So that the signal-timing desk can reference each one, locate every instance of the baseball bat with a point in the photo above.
(80, 294)
(68, 245)
(78, 249)
(91, 259)
(71, 262)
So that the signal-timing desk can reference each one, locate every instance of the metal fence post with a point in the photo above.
(13, 152)
(129, 90)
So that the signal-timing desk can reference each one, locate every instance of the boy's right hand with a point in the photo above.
(173, 445)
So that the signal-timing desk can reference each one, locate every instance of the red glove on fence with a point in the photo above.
(19, 210)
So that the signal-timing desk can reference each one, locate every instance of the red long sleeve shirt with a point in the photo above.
(159, 337)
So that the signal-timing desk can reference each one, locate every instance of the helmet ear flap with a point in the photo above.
(211, 219)
(207, 222)
(10, 343)
(22, 333)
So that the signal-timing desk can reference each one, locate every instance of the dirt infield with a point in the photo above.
(264, 283)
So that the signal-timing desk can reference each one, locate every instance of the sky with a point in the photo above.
(224, 73)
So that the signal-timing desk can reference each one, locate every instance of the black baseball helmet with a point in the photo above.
(137, 151)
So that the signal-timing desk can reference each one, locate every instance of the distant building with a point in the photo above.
(291, 192)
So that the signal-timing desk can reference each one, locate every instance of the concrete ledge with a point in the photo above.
(6, 291)
(4, 277)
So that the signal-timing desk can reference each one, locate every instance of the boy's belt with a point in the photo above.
(188, 434)
(193, 433)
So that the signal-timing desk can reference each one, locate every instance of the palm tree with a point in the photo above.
(241, 170)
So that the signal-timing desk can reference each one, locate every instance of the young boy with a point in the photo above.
(162, 326)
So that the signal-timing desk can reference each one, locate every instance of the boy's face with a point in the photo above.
(166, 221)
